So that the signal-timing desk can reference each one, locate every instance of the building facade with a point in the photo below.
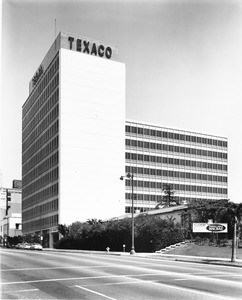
(75, 146)
(11, 211)
(194, 165)
(73, 137)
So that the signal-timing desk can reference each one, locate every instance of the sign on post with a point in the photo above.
(210, 227)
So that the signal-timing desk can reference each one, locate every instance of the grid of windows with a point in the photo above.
(193, 164)
(175, 174)
(40, 126)
(42, 223)
(146, 158)
(175, 136)
(173, 148)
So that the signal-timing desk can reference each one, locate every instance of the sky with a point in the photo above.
(183, 64)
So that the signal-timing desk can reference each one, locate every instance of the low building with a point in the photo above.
(10, 211)
(179, 214)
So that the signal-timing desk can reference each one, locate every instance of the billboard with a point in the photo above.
(210, 227)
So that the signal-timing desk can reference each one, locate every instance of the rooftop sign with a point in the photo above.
(89, 47)
(77, 43)
(37, 75)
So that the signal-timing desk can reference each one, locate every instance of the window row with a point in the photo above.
(40, 183)
(40, 169)
(155, 199)
(172, 148)
(41, 127)
(174, 161)
(40, 86)
(43, 223)
(45, 194)
(40, 210)
(176, 187)
(128, 209)
(40, 114)
(174, 136)
(41, 141)
(175, 174)
(30, 162)
(40, 101)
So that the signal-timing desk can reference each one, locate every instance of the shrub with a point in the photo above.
(151, 233)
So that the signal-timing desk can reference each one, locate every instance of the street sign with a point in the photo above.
(210, 227)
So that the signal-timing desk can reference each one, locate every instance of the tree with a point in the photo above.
(167, 199)
(232, 212)
(63, 229)
(205, 210)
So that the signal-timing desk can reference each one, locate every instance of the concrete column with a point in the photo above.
(51, 240)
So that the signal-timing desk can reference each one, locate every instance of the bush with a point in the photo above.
(151, 233)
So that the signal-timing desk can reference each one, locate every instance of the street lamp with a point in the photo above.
(131, 177)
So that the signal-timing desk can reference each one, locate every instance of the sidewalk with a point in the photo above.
(197, 259)
(162, 256)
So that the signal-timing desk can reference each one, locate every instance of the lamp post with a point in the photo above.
(131, 177)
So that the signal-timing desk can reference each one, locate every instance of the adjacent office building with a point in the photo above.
(194, 165)
(75, 145)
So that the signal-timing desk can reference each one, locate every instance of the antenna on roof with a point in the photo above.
(55, 34)
(55, 28)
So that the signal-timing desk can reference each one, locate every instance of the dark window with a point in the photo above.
(158, 133)
(176, 136)
(140, 130)
(170, 134)
(134, 129)
(188, 138)
(152, 132)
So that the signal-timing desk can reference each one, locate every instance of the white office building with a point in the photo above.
(73, 137)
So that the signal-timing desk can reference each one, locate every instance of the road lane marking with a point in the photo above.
(58, 279)
(189, 290)
(21, 291)
(116, 276)
(138, 281)
(202, 273)
(55, 268)
(128, 276)
(91, 291)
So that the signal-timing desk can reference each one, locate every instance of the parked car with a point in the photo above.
(36, 246)
(19, 246)
(26, 246)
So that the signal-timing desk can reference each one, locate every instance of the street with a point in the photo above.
(29, 274)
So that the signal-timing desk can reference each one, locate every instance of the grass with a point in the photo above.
(205, 250)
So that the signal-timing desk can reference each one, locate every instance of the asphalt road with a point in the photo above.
(27, 274)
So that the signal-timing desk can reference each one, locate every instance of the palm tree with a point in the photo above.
(168, 196)
(233, 212)
(170, 221)
(93, 221)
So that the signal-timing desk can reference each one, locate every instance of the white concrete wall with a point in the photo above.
(92, 137)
